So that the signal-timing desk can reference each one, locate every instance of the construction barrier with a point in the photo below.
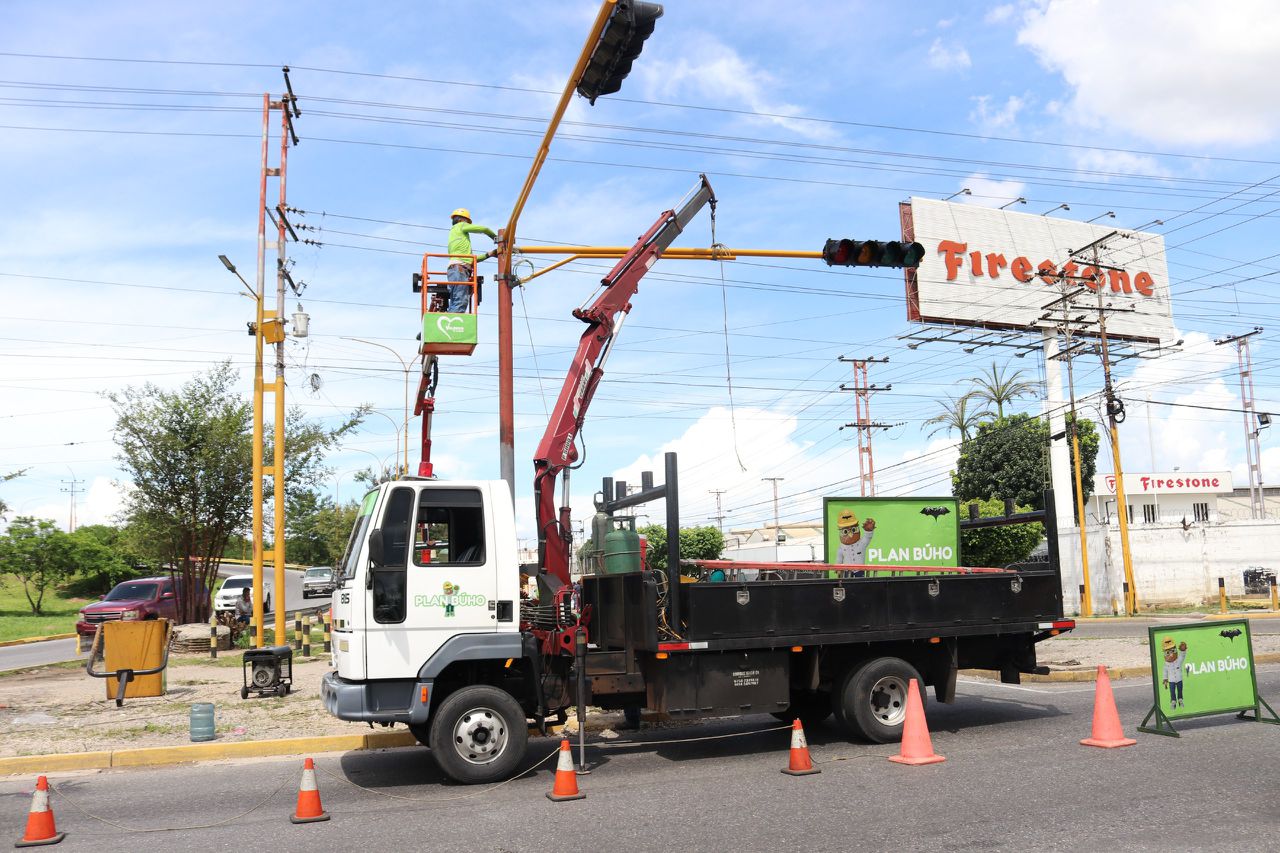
(308, 809)
(799, 763)
(40, 825)
(566, 784)
(1107, 731)
(917, 746)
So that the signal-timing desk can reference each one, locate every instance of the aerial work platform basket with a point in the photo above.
(446, 332)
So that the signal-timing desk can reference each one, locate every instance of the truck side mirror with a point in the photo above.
(375, 546)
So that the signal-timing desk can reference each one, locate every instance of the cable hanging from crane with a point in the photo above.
(728, 370)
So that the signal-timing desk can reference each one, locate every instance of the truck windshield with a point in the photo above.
(133, 592)
(352, 555)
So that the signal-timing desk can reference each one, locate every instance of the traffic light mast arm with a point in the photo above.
(604, 316)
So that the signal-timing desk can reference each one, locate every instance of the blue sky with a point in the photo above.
(123, 181)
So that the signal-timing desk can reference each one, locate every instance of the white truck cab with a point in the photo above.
(426, 604)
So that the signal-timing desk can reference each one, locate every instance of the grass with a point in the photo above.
(17, 622)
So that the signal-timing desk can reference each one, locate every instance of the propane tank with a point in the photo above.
(600, 524)
(622, 548)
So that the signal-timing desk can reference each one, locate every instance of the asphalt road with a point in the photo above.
(56, 651)
(1015, 779)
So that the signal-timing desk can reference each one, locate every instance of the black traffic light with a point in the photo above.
(872, 253)
(629, 24)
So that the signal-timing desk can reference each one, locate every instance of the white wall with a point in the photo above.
(1171, 565)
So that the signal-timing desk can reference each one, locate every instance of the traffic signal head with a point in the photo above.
(629, 24)
(872, 253)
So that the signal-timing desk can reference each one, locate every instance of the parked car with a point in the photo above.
(143, 598)
(225, 598)
(317, 580)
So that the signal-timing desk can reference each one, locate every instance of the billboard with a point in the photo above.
(1167, 483)
(891, 531)
(999, 269)
(1202, 668)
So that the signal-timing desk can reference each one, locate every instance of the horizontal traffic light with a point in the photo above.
(629, 24)
(872, 253)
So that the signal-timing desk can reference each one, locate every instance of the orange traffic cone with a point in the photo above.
(1107, 731)
(308, 810)
(800, 763)
(917, 747)
(566, 786)
(40, 828)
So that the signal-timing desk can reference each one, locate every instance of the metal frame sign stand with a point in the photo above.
(1203, 668)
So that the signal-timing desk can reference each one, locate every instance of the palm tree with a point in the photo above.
(997, 389)
(957, 416)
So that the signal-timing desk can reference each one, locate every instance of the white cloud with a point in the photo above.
(999, 14)
(1170, 72)
(717, 73)
(989, 192)
(946, 57)
(991, 116)
(1117, 161)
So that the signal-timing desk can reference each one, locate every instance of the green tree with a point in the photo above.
(38, 555)
(997, 388)
(188, 453)
(318, 529)
(1009, 458)
(999, 546)
(959, 414)
(102, 559)
(696, 543)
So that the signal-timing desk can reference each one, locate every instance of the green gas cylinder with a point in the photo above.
(601, 522)
(622, 548)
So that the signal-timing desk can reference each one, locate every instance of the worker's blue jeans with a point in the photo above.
(459, 295)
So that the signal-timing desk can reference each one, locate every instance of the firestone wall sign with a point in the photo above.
(999, 269)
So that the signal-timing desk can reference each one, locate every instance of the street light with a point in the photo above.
(1059, 207)
(394, 426)
(232, 269)
(965, 191)
(1018, 200)
(1149, 224)
(1110, 213)
(407, 368)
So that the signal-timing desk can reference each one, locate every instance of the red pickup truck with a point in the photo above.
(144, 598)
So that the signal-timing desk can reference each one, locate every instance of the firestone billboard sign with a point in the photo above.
(999, 269)
(1170, 483)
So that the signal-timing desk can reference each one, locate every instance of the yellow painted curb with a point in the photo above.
(160, 755)
(25, 640)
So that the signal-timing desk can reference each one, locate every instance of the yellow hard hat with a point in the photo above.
(463, 212)
(846, 519)
(1167, 644)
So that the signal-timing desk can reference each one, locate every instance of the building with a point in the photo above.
(1164, 496)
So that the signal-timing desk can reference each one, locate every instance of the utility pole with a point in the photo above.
(1067, 328)
(775, 481)
(72, 487)
(1253, 454)
(719, 516)
(862, 391)
(269, 329)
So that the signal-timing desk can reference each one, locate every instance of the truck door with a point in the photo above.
(437, 579)
(349, 595)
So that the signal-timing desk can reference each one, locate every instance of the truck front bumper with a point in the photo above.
(391, 701)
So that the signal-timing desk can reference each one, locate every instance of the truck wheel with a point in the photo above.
(479, 734)
(873, 699)
(811, 706)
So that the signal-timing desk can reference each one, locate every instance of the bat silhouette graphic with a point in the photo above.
(1231, 634)
(935, 512)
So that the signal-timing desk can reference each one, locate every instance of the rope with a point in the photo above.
(613, 743)
(141, 829)
(728, 371)
(474, 793)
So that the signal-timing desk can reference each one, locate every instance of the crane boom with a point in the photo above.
(604, 316)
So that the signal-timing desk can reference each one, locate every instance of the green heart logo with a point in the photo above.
(450, 326)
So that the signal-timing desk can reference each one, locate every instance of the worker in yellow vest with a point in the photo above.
(460, 257)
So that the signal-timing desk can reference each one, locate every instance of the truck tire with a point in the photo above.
(479, 735)
(813, 707)
(872, 700)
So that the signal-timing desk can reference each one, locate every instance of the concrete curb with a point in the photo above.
(159, 755)
(25, 640)
(1071, 675)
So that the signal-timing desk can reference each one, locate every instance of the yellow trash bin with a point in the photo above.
(137, 646)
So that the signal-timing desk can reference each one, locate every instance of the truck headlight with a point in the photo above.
(130, 615)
